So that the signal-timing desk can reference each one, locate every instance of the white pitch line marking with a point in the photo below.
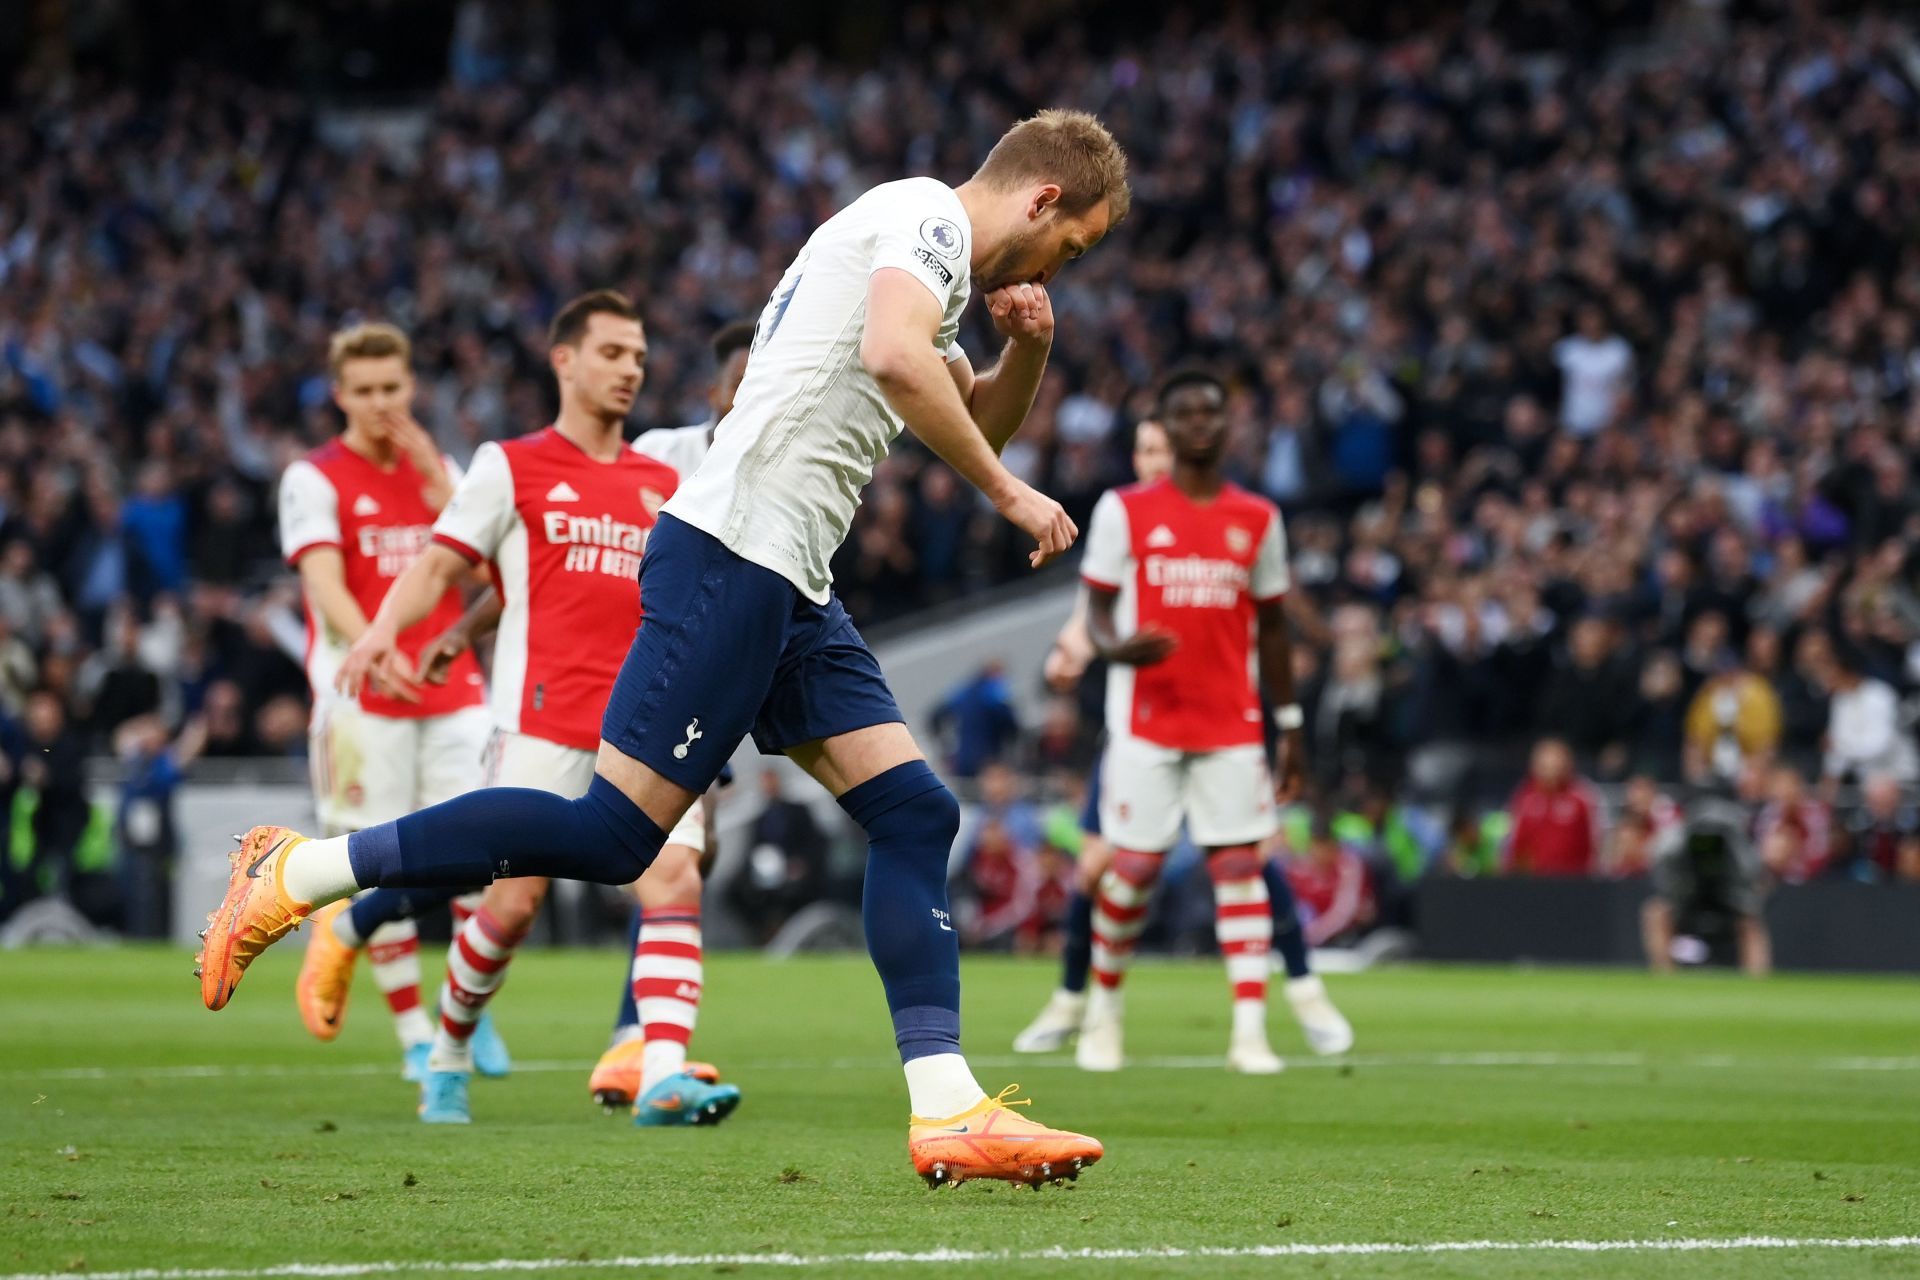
(1378, 1061)
(949, 1256)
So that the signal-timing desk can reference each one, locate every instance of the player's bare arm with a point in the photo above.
(1000, 398)
(323, 576)
(376, 654)
(1146, 646)
(1275, 639)
(897, 351)
(480, 620)
(1072, 650)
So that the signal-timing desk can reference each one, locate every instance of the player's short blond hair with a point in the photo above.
(1069, 148)
(374, 340)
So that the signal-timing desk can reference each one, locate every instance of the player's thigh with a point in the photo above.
(830, 708)
(451, 749)
(674, 878)
(701, 663)
(1228, 796)
(1140, 795)
(363, 766)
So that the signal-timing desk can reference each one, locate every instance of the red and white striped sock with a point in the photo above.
(1120, 912)
(476, 966)
(394, 952)
(465, 905)
(1243, 923)
(667, 974)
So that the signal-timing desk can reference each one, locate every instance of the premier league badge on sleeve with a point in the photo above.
(942, 236)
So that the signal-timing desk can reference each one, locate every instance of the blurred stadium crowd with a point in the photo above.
(1585, 370)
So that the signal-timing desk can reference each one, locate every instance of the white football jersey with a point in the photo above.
(682, 448)
(809, 424)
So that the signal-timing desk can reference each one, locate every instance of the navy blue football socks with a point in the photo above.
(497, 832)
(384, 906)
(1076, 950)
(911, 820)
(1288, 937)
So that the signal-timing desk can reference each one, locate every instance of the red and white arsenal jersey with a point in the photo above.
(1196, 570)
(565, 533)
(379, 522)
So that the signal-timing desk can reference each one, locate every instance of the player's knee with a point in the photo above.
(1096, 855)
(673, 879)
(515, 903)
(1235, 862)
(610, 818)
(1135, 868)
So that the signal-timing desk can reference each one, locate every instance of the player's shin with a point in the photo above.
(1289, 939)
(1120, 913)
(601, 837)
(667, 975)
(911, 820)
(1243, 923)
(394, 952)
(476, 967)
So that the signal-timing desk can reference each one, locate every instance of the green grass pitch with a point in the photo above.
(1481, 1105)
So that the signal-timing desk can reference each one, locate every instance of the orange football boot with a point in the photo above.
(254, 915)
(326, 975)
(990, 1141)
(615, 1081)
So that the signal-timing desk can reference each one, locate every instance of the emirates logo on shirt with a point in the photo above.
(596, 544)
(393, 547)
(1197, 582)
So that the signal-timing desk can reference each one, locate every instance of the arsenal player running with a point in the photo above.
(354, 514)
(1183, 574)
(562, 516)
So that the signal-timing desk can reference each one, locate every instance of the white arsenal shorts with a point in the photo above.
(369, 769)
(1225, 796)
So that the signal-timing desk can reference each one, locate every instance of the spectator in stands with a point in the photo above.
(52, 767)
(1883, 835)
(1475, 843)
(977, 721)
(1556, 818)
(999, 887)
(144, 826)
(1732, 725)
(1864, 734)
(1588, 700)
(1644, 817)
(1330, 884)
(786, 863)
(1596, 372)
(1794, 829)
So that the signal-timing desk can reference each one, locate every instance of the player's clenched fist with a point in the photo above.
(1041, 518)
(1022, 312)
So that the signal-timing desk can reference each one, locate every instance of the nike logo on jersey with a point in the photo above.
(693, 736)
(364, 505)
(562, 492)
(1161, 537)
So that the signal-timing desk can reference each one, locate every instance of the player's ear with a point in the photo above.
(560, 358)
(1044, 197)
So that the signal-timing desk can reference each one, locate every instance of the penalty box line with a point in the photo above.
(948, 1256)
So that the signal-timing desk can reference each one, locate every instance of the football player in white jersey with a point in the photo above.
(743, 634)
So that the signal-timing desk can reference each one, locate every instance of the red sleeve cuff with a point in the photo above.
(293, 556)
(1105, 588)
(466, 552)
